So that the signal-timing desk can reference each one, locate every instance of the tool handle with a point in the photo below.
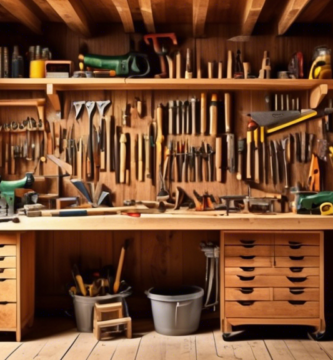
(6, 157)
(140, 157)
(102, 160)
(12, 160)
(218, 159)
(227, 112)
(122, 158)
(203, 107)
(147, 154)
(79, 161)
(170, 119)
(248, 155)
(213, 116)
(247, 69)
(239, 175)
(178, 65)
(194, 117)
(171, 67)
(229, 66)
(210, 69)
(286, 174)
(220, 70)
(119, 269)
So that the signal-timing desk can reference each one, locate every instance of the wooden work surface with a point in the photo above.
(175, 222)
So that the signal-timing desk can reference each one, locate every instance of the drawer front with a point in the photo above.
(296, 250)
(296, 294)
(8, 238)
(297, 261)
(248, 239)
(272, 309)
(293, 271)
(7, 273)
(248, 261)
(271, 281)
(7, 250)
(248, 293)
(8, 316)
(8, 290)
(7, 262)
(248, 250)
(297, 239)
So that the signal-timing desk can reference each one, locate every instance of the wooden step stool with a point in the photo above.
(110, 316)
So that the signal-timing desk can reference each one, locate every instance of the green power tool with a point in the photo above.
(7, 193)
(132, 64)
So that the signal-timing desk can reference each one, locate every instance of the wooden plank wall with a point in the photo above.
(154, 258)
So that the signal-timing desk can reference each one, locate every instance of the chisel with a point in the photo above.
(159, 138)
(256, 155)
(103, 145)
(148, 175)
(229, 66)
(271, 152)
(122, 174)
(213, 116)
(90, 106)
(303, 146)
(203, 114)
(140, 158)
(188, 71)
(194, 117)
(263, 152)
(79, 159)
(227, 112)
(248, 152)
(241, 149)
(178, 116)
(231, 153)
(178, 65)
(277, 171)
(284, 144)
(171, 117)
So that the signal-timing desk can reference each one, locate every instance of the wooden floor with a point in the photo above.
(58, 339)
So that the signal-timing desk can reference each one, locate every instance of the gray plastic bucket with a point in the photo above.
(176, 311)
(84, 308)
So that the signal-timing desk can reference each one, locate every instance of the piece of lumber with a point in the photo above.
(200, 8)
(22, 12)
(317, 95)
(290, 14)
(251, 14)
(73, 14)
(125, 14)
(147, 15)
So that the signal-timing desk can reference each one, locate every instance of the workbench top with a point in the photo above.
(287, 221)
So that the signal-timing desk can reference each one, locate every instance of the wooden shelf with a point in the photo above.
(162, 84)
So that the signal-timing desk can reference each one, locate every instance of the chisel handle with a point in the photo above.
(239, 175)
(178, 65)
(12, 160)
(218, 159)
(213, 116)
(140, 158)
(248, 154)
(229, 66)
(122, 175)
(227, 112)
(203, 107)
(220, 70)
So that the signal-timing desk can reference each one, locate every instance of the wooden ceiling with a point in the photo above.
(83, 16)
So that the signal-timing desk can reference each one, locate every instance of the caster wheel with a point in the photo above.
(318, 336)
(226, 336)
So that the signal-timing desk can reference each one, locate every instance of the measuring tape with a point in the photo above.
(326, 208)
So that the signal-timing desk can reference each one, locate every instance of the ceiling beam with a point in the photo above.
(125, 14)
(50, 14)
(290, 13)
(147, 14)
(21, 11)
(251, 14)
(72, 13)
(200, 8)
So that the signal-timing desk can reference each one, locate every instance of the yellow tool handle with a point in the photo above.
(256, 137)
(326, 208)
(81, 285)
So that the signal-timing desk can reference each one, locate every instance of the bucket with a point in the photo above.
(176, 311)
(84, 308)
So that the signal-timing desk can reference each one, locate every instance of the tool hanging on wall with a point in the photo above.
(104, 132)
(188, 70)
(265, 71)
(90, 106)
(321, 66)
(241, 149)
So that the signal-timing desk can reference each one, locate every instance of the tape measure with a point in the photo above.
(326, 208)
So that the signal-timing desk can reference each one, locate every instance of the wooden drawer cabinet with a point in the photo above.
(275, 276)
(17, 264)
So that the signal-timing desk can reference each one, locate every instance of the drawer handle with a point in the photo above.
(248, 269)
(1, 246)
(4, 302)
(295, 247)
(2, 280)
(296, 302)
(296, 291)
(248, 246)
(246, 290)
(2, 258)
(246, 303)
(246, 278)
(247, 242)
(2, 270)
(296, 279)
(294, 243)
(296, 269)
(250, 257)
(297, 258)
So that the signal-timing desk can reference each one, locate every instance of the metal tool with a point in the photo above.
(276, 160)
(188, 70)
(231, 153)
(194, 117)
(256, 155)
(284, 144)
(90, 106)
(103, 133)
(218, 159)
(171, 112)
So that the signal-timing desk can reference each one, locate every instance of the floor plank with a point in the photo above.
(259, 350)
(127, 349)
(57, 347)
(278, 350)
(28, 350)
(152, 346)
(7, 348)
(315, 350)
(243, 350)
(328, 347)
(224, 349)
(104, 350)
(82, 347)
(206, 348)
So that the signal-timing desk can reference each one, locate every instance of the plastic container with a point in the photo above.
(176, 311)
(84, 308)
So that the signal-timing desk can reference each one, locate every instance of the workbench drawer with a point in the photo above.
(297, 261)
(296, 250)
(8, 290)
(248, 293)
(248, 261)
(7, 273)
(248, 239)
(296, 294)
(7, 262)
(291, 238)
(272, 309)
(251, 271)
(8, 238)
(271, 281)
(248, 250)
(7, 250)
(7, 316)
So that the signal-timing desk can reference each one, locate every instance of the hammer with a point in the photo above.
(160, 51)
